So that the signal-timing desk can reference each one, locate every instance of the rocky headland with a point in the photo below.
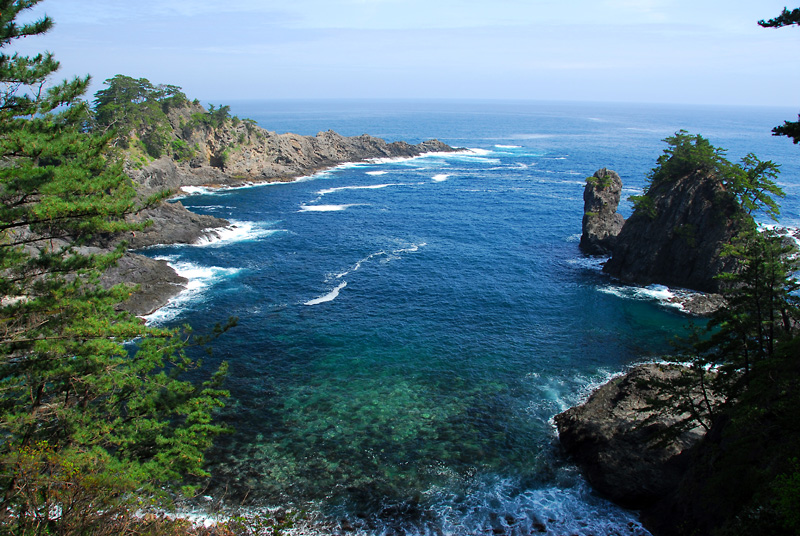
(223, 153)
(710, 448)
(676, 236)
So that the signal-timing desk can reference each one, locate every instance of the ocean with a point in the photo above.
(408, 328)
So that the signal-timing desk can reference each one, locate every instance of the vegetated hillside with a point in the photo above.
(171, 141)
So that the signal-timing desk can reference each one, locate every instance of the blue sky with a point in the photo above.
(666, 51)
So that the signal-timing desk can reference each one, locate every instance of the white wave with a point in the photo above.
(792, 233)
(441, 177)
(388, 256)
(664, 295)
(589, 263)
(342, 188)
(197, 190)
(326, 208)
(200, 279)
(237, 231)
(377, 173)
(509, 146)
(332, 295)
(497, 507)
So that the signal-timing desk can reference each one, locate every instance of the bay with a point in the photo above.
(408, 328)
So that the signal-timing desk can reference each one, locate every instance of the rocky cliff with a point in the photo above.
(615, 439)
(676, 234)
(601, 221)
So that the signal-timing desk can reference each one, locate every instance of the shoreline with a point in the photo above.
(154, 294)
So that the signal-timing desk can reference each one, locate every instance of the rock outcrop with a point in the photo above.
(238, 152)
(156, 282)
(601, 221)
(617, 451)
(676, 235)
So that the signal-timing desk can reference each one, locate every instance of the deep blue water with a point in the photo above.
(408, 329)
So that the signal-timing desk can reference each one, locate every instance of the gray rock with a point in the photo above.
(172, 223)
(677, 241)
(157, 282)
(619, 455)
(601, 221)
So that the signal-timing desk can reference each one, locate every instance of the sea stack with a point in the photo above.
(601, 221)
(676, 236)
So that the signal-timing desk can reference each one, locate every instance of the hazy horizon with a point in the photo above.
(645, 51)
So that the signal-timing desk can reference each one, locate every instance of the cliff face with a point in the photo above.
(235, 152)
(601, 221)
(676, 235)
(620, 454)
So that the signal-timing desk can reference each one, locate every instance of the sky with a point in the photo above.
(655, 51)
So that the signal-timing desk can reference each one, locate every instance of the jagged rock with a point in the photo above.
(232, 155)
(172, 223)
(677, 238)
(618, 455)
(601, 221)
(156, 280)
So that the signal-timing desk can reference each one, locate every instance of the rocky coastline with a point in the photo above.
(258, 156)
(618, 439)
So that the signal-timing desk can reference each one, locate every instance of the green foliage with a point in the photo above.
(181, 151)
(136, 109)
(786, 18)
(790, 129)
(214, 118)
(644, 204)
(787, 498)
(602, 182)
(687, 154)
(85, 418)
(762, 304)
(752, 182)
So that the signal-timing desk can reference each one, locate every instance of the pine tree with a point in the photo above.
(92, 402)
(790, 129)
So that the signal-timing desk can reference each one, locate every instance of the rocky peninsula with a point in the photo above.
(224, 153)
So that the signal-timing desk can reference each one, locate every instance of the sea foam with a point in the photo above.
(663, 295)
(330, 296)
(201, 278)
(237, 231)
(343, 188)
(326, 208)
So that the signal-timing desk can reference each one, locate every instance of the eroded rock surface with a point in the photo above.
(601, 221)
(676, 238)
(620, 455)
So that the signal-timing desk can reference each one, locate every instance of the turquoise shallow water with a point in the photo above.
(409, 328)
